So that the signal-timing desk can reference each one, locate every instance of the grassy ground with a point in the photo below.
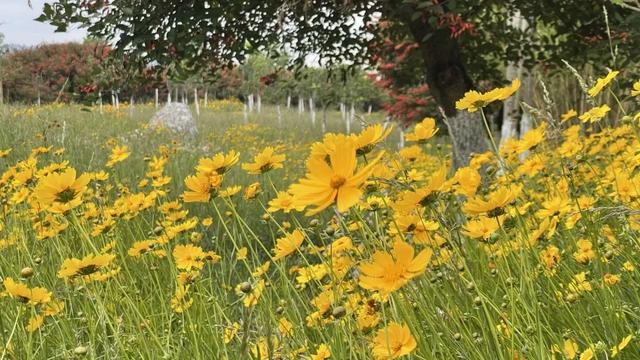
(535, 261)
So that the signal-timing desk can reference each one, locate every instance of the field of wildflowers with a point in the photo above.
(267, 239)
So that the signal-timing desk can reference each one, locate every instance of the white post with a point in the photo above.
(250, 102)
(312, 109)
(279, 115)
(352, 113)
(195, 100)
(259, 103)
(100, 101)
(348, 125)
(157, 97)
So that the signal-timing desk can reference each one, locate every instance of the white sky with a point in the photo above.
(19, 28)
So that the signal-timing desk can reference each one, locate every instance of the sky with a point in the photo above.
(19, 28)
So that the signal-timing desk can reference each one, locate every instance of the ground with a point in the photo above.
(121, 241)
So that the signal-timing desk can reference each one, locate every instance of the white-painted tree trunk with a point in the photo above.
(245, 114)
(300, 104)
(195, 101)
(515, 70)
(100, 102)
(168, 96)
(113, 98)
(401, 142)
(258, 103)
(279, 115)
(117, 101)
(369, 110)
(250, 102)
(131, 106)
(312, 110)
(157, 98)
(324, 119)
(206, 98)
(288, 101)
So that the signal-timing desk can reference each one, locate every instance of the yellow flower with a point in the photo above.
(389, 272)
(285, 327)
(481, 228)
(322, 353)
(423, 131)
(601, 83)
(118, 154)
(326, 183)
(568, 115)
(189, 257)
(264, 161)
(30, 296)
(636, 88)
(229, 191)
(550, 257)
(623, 344)
(288, 244)
(570, 349)
(141, 247)
(86, 266)
(556, 206)
(61, 192)
(585, 252)
(369, 137)
(201, 187)
(473, 100)
(392, 342)
(284, 201)
(218, 164)
(595, 114)
(241, 254)
(611, 279)
(252, 191)
(494, 203)
(588, 354)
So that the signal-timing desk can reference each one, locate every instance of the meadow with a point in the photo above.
(118, 241)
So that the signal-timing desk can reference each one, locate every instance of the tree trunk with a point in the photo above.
(324, 119)
(511, 110)
(279, 115)
(206, 98)
(100, 101)
(258, 103)
(195, 101)
(1, 92)
(288, 101)
(168, 96)
(448, 82)
(157, 98)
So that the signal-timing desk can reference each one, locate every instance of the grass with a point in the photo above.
(507, 290)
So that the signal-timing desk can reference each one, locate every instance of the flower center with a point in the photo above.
(65, 196)
(337, 181)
